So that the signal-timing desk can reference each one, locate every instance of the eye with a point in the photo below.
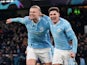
(33, 12)
(54, 14)
(50, 14)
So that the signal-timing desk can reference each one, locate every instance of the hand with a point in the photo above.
(8, 21)
(42, 15)
(26, 52)
(72, 54)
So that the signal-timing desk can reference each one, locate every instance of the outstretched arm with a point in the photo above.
(20, 20)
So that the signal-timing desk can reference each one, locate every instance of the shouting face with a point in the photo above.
(54, 15)
(34, 13)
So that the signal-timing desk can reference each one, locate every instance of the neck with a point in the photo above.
(56, 21)
(35, 20)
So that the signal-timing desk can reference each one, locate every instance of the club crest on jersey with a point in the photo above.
(41, 29)
(59, 30)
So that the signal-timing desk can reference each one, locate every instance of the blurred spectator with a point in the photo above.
(1, 58)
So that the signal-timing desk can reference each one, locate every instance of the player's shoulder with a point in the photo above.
(26, 17)
(46, 17)
(64, 21)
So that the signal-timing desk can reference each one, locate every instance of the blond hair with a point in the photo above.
(36, 6)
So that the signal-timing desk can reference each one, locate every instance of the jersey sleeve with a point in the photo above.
(48, 20)
(71, 35)
(20, 20)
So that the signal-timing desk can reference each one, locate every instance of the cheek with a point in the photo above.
(31, 14)
(37, 14)
(50, 16)
(58, 15)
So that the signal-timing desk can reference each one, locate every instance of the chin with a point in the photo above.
(54, 22)
(32, 18)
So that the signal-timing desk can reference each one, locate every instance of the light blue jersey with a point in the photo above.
(62, 34)
(38, 33)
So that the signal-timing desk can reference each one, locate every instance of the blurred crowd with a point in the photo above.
(13, 43)
(81, 56)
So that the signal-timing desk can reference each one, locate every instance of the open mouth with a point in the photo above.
(53, 18)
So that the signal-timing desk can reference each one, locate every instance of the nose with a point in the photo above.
(51, 16)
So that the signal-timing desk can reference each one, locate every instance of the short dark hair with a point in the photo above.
(53, 8)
